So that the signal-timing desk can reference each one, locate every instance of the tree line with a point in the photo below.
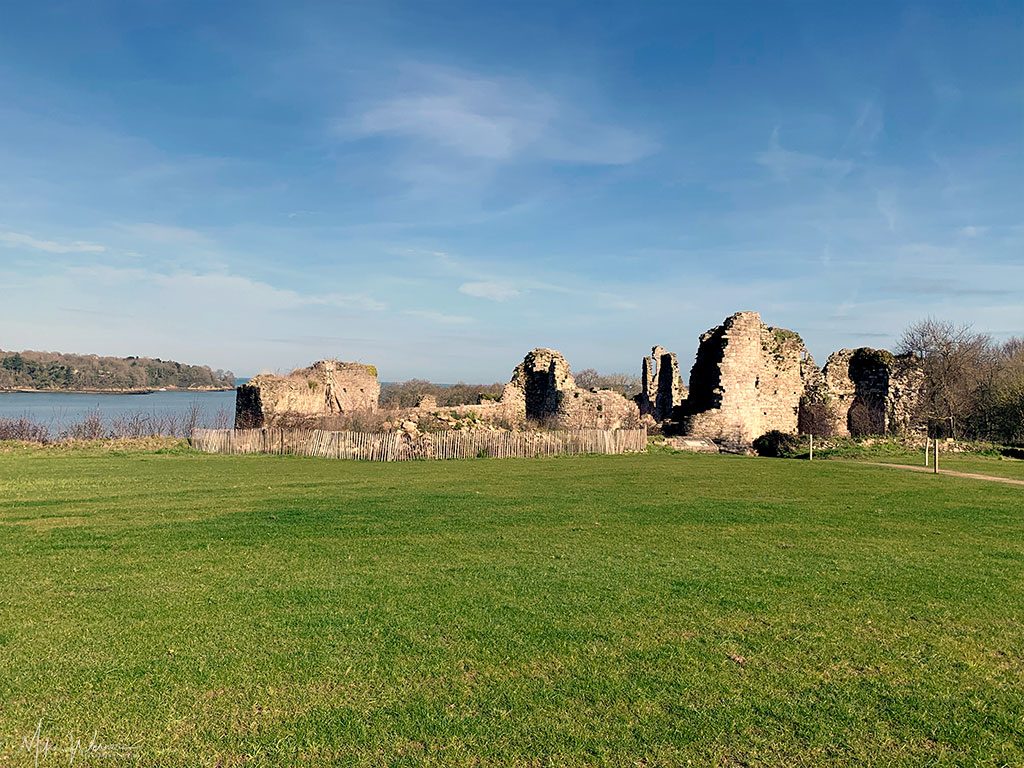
(407, 394)
(60, 371)
(972, 383)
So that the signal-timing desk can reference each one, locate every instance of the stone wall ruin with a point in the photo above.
(662, 388)
(543, 390)
(871, 391)
(748, 379)
(307, 395)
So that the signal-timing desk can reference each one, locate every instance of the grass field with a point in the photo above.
(980, 465)
(183, 610)
(895, 452)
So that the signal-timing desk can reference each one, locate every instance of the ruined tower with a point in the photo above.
(662, 386)
(543, 389)
(747, 380)
(871, 391)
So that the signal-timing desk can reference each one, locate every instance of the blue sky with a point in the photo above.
(439, 187)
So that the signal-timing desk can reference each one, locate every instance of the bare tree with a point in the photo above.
(999, 411)
(816, 417)
(407, 394)
(588, 378)
(958, 364)
(623, 383)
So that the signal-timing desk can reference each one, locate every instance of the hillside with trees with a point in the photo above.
(55, 371)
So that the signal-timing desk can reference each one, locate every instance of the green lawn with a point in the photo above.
(986, 460)
(964, 462)
(619, 610)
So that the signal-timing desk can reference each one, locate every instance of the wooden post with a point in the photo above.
(927, 445)
(811, 457)
(935, 454)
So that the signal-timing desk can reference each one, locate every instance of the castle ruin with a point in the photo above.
(747, 379)
(542, 390)
(662, 388)
(871, 391)
(326, 388)
(750, 378)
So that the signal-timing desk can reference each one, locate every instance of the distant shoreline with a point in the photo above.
(196, 390)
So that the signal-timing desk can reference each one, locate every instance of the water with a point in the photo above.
(60, 409)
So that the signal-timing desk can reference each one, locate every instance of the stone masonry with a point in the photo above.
(662, 386)
(545, 386)
(324, 389)
(871, 391)
(748, 379)
(545, 380)
(542, 390)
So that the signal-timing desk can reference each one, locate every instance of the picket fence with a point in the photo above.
(397, 446)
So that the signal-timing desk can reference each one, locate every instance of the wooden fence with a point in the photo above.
(397, 446)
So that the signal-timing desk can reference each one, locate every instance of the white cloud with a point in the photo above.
(489, 290)
(448, 120)
(19, 240)
(353, 300)
(972, 231)
(865, 131)
(495, 119)
(598, 298)
(885, 201)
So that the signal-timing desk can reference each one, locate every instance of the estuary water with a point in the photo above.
(57, 409)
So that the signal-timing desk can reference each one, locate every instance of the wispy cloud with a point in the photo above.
(215, 286)
(94, 312)
(972, 231)
(165, 234)
(865, 131)
(495, 119)
(950, 287)
(489, 290)
(438, 317)
(601, 299)
(20, 240)
(787, 164)
(885, 202)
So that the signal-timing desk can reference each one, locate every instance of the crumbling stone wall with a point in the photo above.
(748, 379)
(544, 377)
(326, 388)
(871, 391)
(544, 386)
(662, 386)
(543, 390)
(599, 408)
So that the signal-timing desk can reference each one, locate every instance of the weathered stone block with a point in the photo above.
(871, 391)
(748, 379)
(662, 386)
(543, 389)
(326, 388)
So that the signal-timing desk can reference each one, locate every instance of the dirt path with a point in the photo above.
(971, 475)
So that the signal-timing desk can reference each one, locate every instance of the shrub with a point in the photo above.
(778, 444)
(816, 418)
(24, 428)
(866, 417)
